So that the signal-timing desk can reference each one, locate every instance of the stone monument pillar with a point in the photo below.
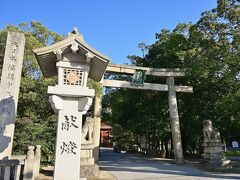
(9, 89)
(213, 147)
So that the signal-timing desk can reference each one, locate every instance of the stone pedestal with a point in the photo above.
(213, 155)
(68, 144)
(87, 154)
(88, 168)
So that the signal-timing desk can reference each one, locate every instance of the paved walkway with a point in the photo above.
(133, 167)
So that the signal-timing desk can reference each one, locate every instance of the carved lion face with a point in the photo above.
(207, 123)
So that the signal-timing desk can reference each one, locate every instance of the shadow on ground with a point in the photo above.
(139, 167)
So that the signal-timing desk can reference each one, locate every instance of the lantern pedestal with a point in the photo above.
(68, 145)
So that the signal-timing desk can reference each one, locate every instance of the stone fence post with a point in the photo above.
(29, 164)
(37, 160)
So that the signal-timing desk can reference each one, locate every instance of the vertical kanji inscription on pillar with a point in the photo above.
(9, 90)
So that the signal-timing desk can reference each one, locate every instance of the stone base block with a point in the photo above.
(87, 161)
(89, 171)
(86, 153)
(87, 146)
(213, 156)
(213, 149)
(212, 143)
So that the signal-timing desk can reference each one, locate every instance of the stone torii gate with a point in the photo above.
(169, 74)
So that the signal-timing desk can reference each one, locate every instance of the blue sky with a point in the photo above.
(114, 27)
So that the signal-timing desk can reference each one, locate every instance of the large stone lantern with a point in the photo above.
(73, 61)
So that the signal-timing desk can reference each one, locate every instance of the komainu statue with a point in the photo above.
(88, 167)
(213, 154)
(87, 131)
(209, 132)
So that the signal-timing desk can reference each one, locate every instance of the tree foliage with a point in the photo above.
(209, 52)
(35, 122)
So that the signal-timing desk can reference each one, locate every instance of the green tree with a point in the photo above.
(209, 52)
(35, 122)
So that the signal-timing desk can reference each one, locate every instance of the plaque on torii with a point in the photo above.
(73, 61)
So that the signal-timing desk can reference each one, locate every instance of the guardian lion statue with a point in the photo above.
(87, 131)
(209, 132)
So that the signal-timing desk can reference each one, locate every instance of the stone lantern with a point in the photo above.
(73, 61)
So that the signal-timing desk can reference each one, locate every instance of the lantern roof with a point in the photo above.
(74, 49)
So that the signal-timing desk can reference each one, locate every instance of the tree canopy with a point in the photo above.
(35, 122)
(209, 52)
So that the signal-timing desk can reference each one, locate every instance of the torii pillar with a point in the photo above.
(97, 126)
(175, 127)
